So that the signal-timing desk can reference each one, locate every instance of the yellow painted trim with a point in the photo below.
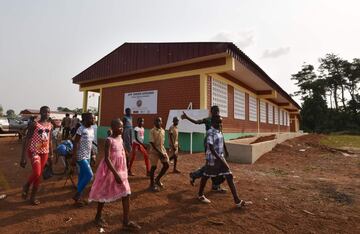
(217, 69)
(273, 95)
(238, 87)
(85, 100)
(203, 91)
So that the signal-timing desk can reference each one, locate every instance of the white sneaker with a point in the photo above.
(203, 199)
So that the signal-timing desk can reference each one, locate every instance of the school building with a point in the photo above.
(153, 78)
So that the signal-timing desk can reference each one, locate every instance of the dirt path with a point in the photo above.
(296, 188)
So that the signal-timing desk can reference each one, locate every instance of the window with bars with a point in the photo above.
(276, 115)
(219, 96)
(239, 104)
(262, 112)
(252, 108)
(281, 117)
(270, 114)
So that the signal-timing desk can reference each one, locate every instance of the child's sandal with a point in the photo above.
(35, 202)
(100, 222)
(132, 226)
(240, 204)
(79, 203)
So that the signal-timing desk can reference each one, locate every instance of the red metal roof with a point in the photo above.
(132, 57)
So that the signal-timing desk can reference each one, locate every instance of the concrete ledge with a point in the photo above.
(241, 151)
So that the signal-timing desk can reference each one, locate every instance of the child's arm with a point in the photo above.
(109, 163)
(137, 139)
(157, 150)
(226, 151)
(51, 145)
(211, 147)
(171, 140)
(75, 149)
(185, 116)
(29, 134)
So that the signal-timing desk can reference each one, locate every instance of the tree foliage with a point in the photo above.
(331, 96)
(10, 113)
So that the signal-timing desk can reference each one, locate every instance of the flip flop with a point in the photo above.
(35, 202)
(131, 226)
(240, 204)
(101, 222)
(79, 203)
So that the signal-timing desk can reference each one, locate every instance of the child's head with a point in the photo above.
(75, 115)
(158, 122)
(175, 121)
(44, 113)
(116, 127)
(140, 122)
(215, 111)
(216, 122)
(67, 114)
(128, 111)
(87, 119)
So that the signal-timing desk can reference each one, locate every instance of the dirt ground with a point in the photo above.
(299, 187)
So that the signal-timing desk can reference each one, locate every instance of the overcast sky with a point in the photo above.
(43, 44)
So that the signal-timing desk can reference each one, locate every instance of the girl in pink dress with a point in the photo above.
(111, 180)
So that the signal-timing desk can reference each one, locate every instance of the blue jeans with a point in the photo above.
(85, 174)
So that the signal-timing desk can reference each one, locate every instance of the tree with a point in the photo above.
(1, 110)
(332, 69)
(10, 113)
(77, 111)
(63, 109)
(313, 113)
(352, 71)
(305, 77)
(337, 76)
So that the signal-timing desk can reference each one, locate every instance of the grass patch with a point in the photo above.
(338, 141)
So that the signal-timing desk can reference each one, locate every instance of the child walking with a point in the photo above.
(82, 152)
(157, 152)
(138, 145)
(216, 181)
(215, 162)
(38, 146)
(111, 180)
(128, 135)
(174, 143)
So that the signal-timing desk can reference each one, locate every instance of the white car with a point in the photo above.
(8, 125)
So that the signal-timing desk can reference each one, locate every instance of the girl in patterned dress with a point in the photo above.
(38, 146)
(111, 180)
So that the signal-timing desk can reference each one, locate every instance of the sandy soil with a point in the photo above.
(299, 187)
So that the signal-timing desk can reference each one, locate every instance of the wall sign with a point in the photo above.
(144, 102)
